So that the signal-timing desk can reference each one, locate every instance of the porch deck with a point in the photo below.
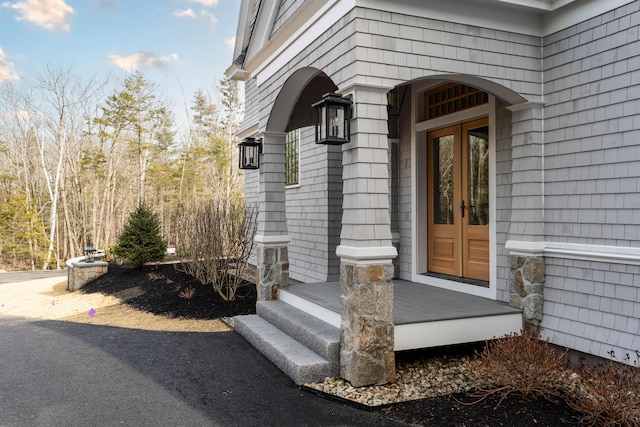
(424, 316)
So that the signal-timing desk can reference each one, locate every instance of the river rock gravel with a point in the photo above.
(419, 375)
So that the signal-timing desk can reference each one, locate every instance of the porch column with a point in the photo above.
(272, 236)
(366, 251)
(526, 232)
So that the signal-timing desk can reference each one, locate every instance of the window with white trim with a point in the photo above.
(292, 156)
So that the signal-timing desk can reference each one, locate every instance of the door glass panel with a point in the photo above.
(478, 173)
(443, 179)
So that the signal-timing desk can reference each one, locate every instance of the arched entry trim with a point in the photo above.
(294, 90)
(501, 92)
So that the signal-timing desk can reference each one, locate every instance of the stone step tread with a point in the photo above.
(297, 361)
(320, 336)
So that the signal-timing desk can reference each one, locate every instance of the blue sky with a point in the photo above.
(181, 45)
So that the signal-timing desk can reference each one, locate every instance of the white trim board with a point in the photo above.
(456, 331)
(580, 251)
(315, 310)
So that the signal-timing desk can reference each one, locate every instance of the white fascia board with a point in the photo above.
(236, 73)
(263, 26)
(242, 30)
(296, 38)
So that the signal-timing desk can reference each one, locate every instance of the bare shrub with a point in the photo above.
(216, 240)
(609, 393)
(520, 364)
(152, 275)
(187, 293)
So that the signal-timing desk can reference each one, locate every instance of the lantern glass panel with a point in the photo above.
(249, 156)
(322, 123)
(336, 121)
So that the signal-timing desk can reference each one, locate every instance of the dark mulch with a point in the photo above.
(155, 289)
(460, 410)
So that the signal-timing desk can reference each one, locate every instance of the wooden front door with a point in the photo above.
(458, 203)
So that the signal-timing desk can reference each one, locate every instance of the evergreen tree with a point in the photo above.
(141, 241)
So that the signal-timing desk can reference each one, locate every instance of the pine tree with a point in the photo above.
(141, 241)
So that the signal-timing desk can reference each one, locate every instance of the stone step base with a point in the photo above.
(286, 336)
(313, 333)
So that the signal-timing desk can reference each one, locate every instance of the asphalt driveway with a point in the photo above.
(25, 276)
(72, 374)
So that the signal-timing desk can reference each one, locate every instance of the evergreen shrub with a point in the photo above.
(141, 240)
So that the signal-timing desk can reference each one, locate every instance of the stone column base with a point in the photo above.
(273, 270)
(81, 273)
(526, 284)
(366, 332)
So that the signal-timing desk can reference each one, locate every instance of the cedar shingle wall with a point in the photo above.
(592, 180)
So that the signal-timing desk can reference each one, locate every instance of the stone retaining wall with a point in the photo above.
(80, 273)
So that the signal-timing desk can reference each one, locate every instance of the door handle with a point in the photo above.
(462, 206)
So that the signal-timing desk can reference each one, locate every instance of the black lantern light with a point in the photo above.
(333, 114)
(89, 254)
(249, 153)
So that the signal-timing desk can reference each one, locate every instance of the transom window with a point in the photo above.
(292, 147)
(451, 98)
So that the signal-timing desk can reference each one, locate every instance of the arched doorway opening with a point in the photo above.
(310, 178)
(450, 130)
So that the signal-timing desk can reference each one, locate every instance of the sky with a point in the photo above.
(180, 45)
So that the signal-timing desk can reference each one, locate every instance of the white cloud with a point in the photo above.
(187, 13)
(231, 43)
(208, 18)
(23, 116)
(54, 15)
(143, 60)
(207, 3)
(7, 72)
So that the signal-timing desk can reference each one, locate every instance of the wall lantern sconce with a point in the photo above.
(89, 254)
(249, 153)
(332, 116)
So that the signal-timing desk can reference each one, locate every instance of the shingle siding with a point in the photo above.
(285, 11)
(592, 179)
(314, 207)
(395, 48)
(251, 185)
(251, 106)
(597, 304)
(418, 44)
(503, 197)
(588, 141)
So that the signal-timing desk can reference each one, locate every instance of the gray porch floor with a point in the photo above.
(424, 316)
(412, 302)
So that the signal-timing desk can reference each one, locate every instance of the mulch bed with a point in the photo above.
(459, 410)
(155, 289)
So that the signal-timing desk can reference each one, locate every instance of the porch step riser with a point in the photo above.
(313, 333)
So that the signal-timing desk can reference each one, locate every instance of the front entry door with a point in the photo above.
(458, 203)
